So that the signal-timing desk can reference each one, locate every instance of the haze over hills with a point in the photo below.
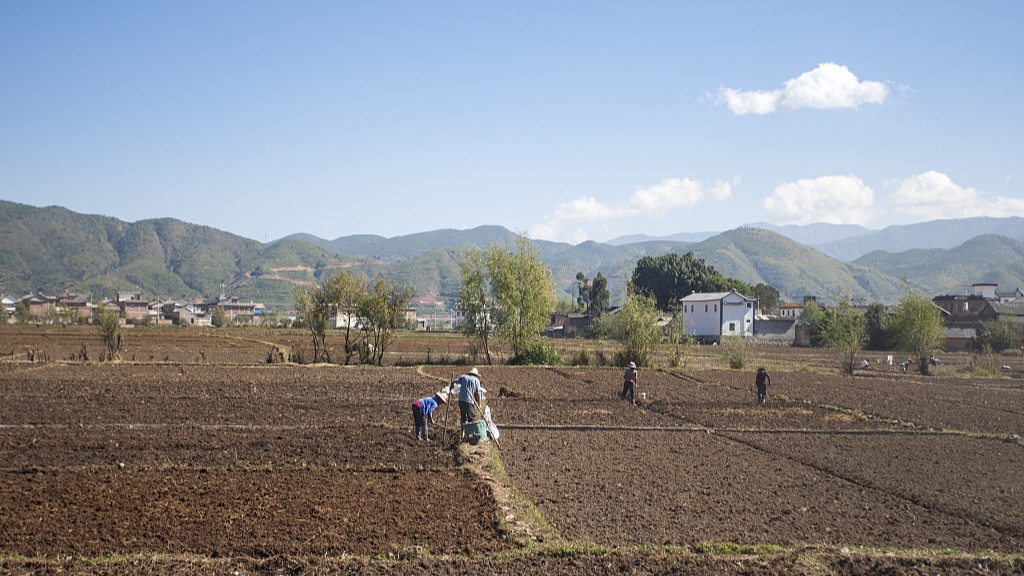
(847, 242)
(52, 250)
(934, 234)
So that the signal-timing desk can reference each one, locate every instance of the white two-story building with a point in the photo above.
(709, 316)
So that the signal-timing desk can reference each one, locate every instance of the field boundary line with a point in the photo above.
(591, 428)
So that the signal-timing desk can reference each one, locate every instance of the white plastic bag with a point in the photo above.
(492, 430)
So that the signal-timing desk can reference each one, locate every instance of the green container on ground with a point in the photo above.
(475, 432)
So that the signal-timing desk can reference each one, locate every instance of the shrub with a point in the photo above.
(538, 354)
(734, 350)
(580, 358)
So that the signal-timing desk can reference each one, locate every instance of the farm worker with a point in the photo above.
(629, 383)
(864, 364)
(762, 381)
(423, 411)
(470, 396)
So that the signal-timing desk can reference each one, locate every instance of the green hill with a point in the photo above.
(987, 258)
(52, 249)
(756, 255)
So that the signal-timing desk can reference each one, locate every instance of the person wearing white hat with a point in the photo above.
(629, 383)
(423, 412)
(470, 395)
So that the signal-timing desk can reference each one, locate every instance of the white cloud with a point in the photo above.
(933, 195)
(827, 86)
(741, 102)
(675, 192)
(649, 202)
(584, 208)
(832, 199)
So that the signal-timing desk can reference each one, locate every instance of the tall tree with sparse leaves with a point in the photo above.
(314, 308)
(347, 291)
(844, 333)
(523, 292)
(600, 297)
(108, 322)
(474, 300)
(383, 311)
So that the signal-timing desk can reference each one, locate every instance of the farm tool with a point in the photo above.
(451, 384)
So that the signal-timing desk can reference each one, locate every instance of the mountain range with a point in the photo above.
(53, 250)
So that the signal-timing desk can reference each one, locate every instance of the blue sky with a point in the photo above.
(567, 121)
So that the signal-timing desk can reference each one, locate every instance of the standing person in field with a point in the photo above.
(423, 412)
(470, 397)
(629, 383)
(762, 381)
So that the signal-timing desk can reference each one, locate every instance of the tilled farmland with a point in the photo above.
(213, 460)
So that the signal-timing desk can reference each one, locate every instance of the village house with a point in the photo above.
(41, 307)
(234, 309)
(10, 304)
(965, 315)
(791, 310)
(132, 306)
(709, 316)
(568, 324)
(78, 304)
(446, 320)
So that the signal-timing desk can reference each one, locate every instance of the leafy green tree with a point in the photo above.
(582, 292)
(21, 312)
(218, 318)
(670, 277)
(475, 301)
(593, 296)
(845, 333)
(383, 311)
(876, 319)
(108, 322)
(1002, 335)
(916, 328)
(813, 317)
(523, 292)
(768, 297)
(635, 329)
(600, 297)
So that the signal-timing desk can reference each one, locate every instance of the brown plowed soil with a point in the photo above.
(216, 462)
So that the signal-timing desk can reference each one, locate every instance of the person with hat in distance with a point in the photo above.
(423, 412)
(629, 383)
(470, 397)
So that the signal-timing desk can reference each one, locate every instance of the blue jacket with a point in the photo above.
(427, 405)
(469, 388)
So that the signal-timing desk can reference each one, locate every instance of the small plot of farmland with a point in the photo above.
(830, 460)
(213, 460)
